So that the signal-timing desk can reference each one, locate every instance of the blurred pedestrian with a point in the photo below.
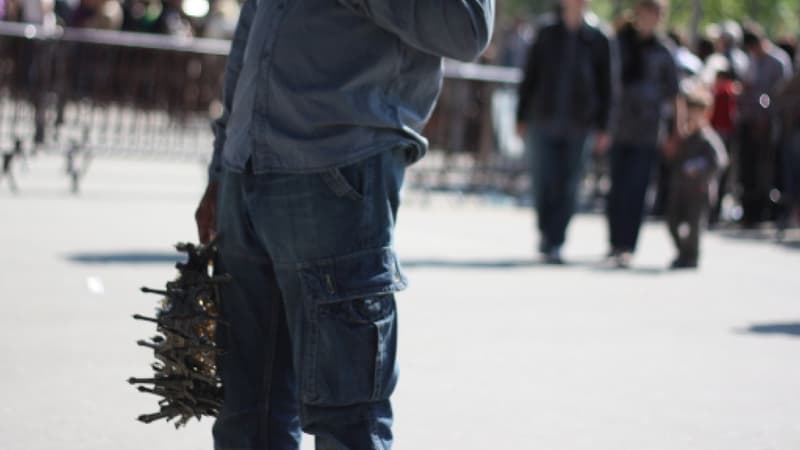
(727, 38)
(39, 12)
(769, 68)
(649, 89)
(695, 166)
(565, 100)
(725, 93)
(704, 48)
(37, 58)
(788, 106)
(97, 14)
(156, 16)
(789, 45)
(172, 20)
(221, 20)
(8, 165)
(324, 103)
(688, 65)
(516, 43)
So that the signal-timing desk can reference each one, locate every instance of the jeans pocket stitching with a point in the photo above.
(340, 186)
(324, 321)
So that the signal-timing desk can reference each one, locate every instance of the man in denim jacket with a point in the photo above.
(324, 104)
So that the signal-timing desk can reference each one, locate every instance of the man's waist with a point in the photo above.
(312, 156)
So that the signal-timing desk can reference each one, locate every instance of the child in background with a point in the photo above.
(695, 166)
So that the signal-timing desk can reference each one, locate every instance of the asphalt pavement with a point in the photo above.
(497, 351)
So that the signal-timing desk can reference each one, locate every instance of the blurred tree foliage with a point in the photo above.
(779, 17)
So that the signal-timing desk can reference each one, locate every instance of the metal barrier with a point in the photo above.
(90, 93)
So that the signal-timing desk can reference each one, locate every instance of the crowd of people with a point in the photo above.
(199, 18)
(714, 127)
(724, 110)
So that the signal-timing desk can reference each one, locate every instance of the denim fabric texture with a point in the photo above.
(309, 328)
(631, 171)
(557, 164)
(312, 85)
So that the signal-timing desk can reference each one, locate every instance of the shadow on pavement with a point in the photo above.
(525, 263)
(455, 264)
(789, 239)
(789, 328)
(634, 270)
(795, 245)
(122, 257)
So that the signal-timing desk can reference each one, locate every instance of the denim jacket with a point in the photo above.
(317, 84)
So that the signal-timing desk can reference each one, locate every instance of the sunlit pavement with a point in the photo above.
(497, 351)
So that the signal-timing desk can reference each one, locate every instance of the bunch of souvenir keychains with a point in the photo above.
(185, 348)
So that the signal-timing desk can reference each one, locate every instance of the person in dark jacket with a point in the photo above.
(649, 86)
(695, 169)
(565, 100)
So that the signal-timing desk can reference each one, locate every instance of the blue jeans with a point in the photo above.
(631, 171)
(309, 324)
(557, 164)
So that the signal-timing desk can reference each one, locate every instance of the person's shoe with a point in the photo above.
(544, 247)
(682, 264)
(623, 260)
(553, 257)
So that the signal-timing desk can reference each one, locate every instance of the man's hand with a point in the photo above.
(602, 141)
(206, 214)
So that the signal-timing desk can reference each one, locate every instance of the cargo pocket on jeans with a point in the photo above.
(350, 338)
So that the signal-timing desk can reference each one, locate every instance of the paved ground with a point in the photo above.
(497, 351)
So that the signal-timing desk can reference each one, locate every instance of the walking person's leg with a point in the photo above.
(565, 189)
(723, 186)
(637, 173)
(697, 212)
(767, 175)
(674, 217)
(542, 150)
(680, 220)
(614, 205)
(748, 175)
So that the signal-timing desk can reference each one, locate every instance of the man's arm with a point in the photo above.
(671, 90)
(458, 29)
(608, 82)
(608, 92)
(232, 69)
(530, 78)
(206, 214)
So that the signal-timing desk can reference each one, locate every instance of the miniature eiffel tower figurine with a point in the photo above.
(186, 376)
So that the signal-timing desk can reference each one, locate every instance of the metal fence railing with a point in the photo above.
(89, 93)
